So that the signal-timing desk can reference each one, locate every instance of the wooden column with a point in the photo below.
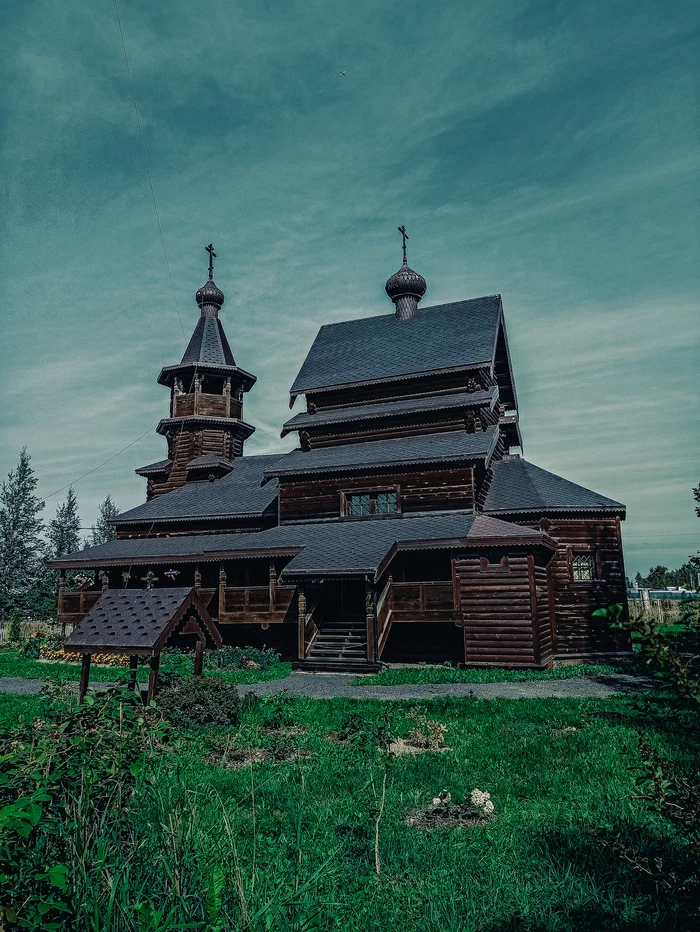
(198, 657)
(104, 579)
(197, 390)
(302, 623)
(222, 590)
(227, 396)
(133, 664)
(197, 579)
(533, 609)
(61, 588)
(84, 677)
(370, 619)
(273, 585)
(153, 678)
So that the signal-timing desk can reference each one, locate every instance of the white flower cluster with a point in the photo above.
(482, 801)
(444, 797)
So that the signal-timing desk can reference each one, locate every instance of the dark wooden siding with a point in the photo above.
(436, 490)
(577, 631)
(506, 619)
(409, 425)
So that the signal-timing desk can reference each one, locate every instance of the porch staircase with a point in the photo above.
(339, 647)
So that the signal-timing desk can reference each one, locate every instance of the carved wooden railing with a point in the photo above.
(308, 630)
(423, 601)
(384, 612)
(254, 604)
(74, 606)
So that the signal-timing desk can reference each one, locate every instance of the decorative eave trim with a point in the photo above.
(248, 379)
(206, 557)
(176, 518)
(565, 512)
(374, 467)
(294, 394)
(231, 423)
(319, 419)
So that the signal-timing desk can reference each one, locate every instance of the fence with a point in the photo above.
(28, 628)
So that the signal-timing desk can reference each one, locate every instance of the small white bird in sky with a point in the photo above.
(342, 74)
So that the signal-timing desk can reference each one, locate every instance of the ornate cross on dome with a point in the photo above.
(404, 234)
(212, 256)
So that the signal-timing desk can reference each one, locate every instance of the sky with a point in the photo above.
(547, 151)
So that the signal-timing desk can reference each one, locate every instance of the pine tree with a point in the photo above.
(63, 531)
(102, 531)
(21, 544)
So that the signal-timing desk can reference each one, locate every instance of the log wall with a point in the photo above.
(435, 490)
(505, 607)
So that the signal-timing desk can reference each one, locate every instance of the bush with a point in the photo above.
(242, 658)
(14, 627)
(201, 701)
(32, 646)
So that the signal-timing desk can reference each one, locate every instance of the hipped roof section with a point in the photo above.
(445, 337)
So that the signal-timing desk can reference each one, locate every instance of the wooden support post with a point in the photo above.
(227, 396)
(197, 579)
(104, 578)
(61, 588)
(133, 664)
(153, 678)
(198, 657)
(84, 678)
(222, 590)
(370, 620)
(273, 585)
(302, 623)
(533, 609)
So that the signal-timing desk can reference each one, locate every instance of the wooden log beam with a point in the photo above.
(198, 657)
(153, 678)
(84, 677)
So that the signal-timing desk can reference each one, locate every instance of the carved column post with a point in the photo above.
(104, 579)
(197, 579)
(273, 584)
(227, 396)
(222, 590)
(370, 619)
(302, 623)
(61, 588)
(197, 391)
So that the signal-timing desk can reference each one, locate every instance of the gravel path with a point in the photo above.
(335, 685)
(338, 685)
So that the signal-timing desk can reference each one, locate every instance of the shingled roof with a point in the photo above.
(338, 548)
(451, 446)
(138, 620)
(446, 336)
(238, 494)
(388, 409)
(519, 486)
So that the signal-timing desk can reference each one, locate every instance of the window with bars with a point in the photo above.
(583, 566)
(358, 504)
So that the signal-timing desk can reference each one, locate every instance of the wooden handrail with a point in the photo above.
(384, 612)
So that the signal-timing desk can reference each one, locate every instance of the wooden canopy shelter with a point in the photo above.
(140, 622)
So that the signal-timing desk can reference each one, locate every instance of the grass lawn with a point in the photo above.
(397, 676)
(295, 840)
(12, 663)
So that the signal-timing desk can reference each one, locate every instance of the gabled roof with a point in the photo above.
(447, 336)
(138, 619)
(340, 547)
(388, 409)
(451, 446)
(519, 486)
(238, 494)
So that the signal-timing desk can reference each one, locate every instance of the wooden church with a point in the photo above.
(401, 529)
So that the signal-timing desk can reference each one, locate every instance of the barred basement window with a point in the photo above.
(583, 565)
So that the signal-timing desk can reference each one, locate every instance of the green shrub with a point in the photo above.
(32, 645)
(201, 701)
(242, 658)
(14, 627)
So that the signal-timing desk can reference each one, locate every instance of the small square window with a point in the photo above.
(583, 567)
(386, 503)
(358, 504)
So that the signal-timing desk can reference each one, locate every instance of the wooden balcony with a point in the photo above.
(74, 606)
(414, 602)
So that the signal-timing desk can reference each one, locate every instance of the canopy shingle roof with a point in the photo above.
(450, 446)
(208, 344)
(137, 619)
(519, 486)
(387, 409)
(445, 336)
(238, 494)
(341, 547)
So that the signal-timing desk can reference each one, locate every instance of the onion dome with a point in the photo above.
(406, 282)
(209, 296)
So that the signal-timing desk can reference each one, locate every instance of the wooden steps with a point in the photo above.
(341, 646)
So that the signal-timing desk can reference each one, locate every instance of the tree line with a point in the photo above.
(27, 586)
(661, 577)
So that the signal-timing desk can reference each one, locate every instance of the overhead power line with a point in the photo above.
(148, 168)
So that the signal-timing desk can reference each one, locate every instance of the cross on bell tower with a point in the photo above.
(212, 256)
(404, 235)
